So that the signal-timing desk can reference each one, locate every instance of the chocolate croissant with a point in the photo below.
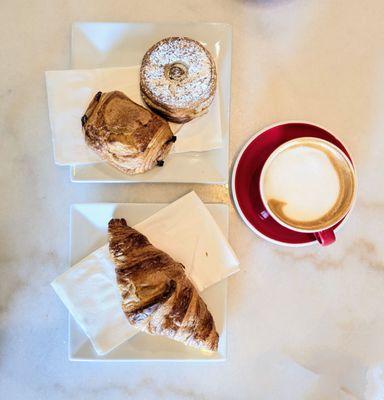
(125, 134)
(157, 296)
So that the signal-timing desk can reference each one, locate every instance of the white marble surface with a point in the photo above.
(292, 59)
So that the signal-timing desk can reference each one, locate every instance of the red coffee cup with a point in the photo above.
(308, 185)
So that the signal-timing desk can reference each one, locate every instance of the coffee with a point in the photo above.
(308, 184)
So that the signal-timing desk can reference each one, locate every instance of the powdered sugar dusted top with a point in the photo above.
(178, 72)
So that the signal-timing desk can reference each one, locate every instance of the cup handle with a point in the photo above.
(325, 238)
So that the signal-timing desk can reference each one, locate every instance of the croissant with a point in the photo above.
(157, 296)
(125, 134)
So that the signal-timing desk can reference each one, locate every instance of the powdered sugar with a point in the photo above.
(178, 72)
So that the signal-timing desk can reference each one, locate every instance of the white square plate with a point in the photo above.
(100, 45)
(88, 232)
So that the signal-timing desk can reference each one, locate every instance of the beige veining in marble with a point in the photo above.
(320, 61)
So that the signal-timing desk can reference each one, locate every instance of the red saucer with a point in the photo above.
(246, 176)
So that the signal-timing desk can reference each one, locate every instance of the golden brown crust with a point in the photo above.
(191, 93)
(179, 117)
(157, 296)
(125, 134)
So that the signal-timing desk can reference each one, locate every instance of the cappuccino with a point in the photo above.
(308, 184)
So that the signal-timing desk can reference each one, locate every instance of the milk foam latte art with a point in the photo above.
(308, 184)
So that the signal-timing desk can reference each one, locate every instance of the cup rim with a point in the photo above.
(269, 161)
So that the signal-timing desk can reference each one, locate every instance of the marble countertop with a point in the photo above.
(320, 61)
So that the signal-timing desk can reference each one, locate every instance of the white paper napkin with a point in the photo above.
(90, 293)
(185, 229)
(69, 93)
